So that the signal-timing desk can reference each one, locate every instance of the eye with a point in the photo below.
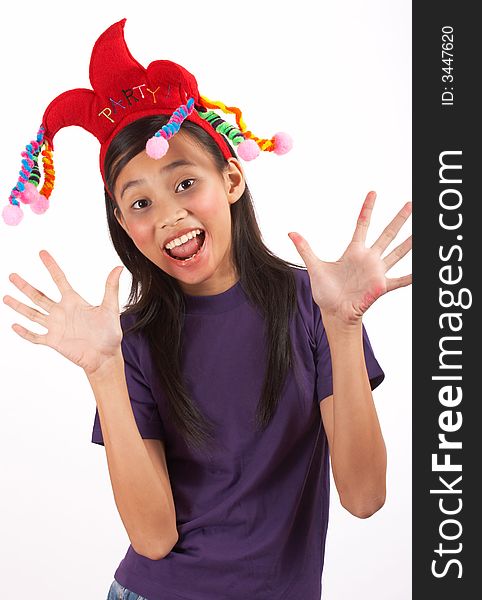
(141, 200)
(184, 181)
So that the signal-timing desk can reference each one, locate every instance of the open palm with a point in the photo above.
(87, 335)
(345, 289)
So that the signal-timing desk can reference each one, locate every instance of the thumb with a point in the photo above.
(111, 295)
(304, 250)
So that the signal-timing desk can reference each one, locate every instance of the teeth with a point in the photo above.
(183, 239)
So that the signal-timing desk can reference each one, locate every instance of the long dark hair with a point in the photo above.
(157, 300)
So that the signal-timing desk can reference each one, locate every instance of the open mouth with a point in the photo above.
(199, 240)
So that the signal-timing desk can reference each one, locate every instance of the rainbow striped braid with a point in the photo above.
(25, 190)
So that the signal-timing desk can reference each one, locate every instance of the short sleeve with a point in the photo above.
(324, 379)
(144, 406)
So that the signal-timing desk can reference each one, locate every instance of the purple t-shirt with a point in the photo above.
(252, 518)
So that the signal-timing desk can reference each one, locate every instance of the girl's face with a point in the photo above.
(162, 199)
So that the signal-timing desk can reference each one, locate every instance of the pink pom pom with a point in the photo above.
(156, 147)
(40, 205)
(12, 214)
(29, 195)
(282, 143)
(248, 150)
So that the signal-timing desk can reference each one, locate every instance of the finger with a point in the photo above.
(27, 311)
(111, 295)
(35, 338)
(397, 282)
(364, 217)
(35, 295)
(309, 257)
(391, 230)
(397, 253)
(55, 271)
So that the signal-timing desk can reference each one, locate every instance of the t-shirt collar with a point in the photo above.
(217, 303)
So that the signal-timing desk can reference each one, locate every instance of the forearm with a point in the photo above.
(143, 499)
(358, 452)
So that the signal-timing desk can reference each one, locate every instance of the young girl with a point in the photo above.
(233, 376)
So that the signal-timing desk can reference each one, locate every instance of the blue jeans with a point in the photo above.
(119, 592)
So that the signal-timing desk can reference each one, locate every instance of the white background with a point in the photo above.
(339, 81)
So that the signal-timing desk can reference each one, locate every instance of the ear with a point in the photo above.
(234, 180)
(120, 219)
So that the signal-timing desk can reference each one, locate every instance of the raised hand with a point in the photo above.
(345, 289)
(87, 335)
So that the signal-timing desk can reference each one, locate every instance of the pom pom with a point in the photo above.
(12, 214)
(40, 204)
(282, 143)
(248, 149)
(29, 195)
(157, 146)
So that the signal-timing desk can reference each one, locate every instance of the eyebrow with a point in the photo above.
(168, 168)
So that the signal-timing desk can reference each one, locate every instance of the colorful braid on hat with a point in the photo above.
(157, 145)
(246, 144)
(25, 190)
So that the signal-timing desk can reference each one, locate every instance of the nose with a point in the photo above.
(169, 213)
